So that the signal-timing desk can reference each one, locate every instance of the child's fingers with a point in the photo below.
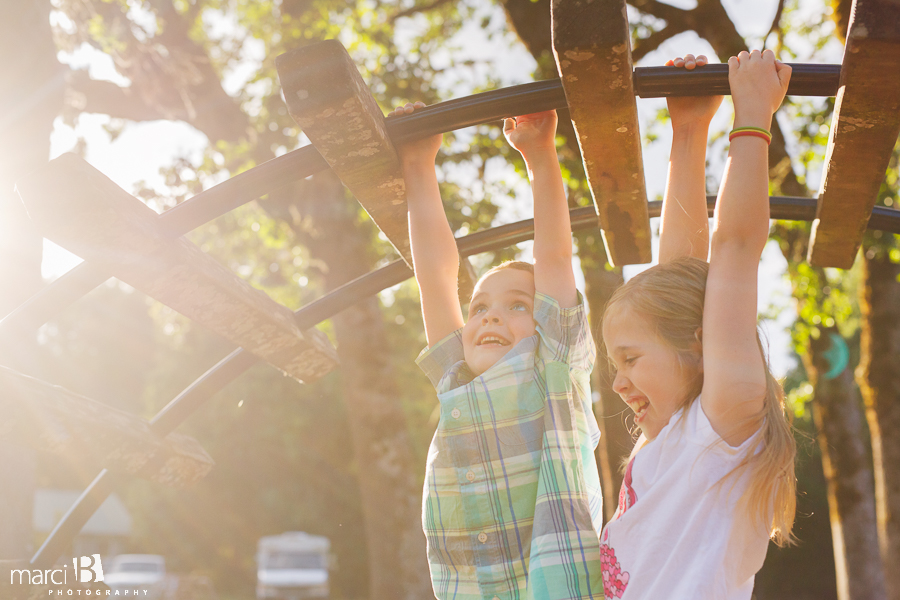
(539, 116)
(784, 74)
(689, 61)
(670, 63)
(702, 60)
(509, 124)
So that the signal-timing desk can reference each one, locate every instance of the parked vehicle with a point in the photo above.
(292, 566)
(134, 572)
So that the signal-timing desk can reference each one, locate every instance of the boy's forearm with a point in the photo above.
(684, 229)
(432, 243)
(552, 227)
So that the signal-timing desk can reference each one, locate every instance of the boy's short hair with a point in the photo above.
(521, 265)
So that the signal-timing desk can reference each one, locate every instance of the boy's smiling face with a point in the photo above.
(500, 316)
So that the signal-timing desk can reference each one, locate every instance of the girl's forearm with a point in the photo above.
(742, 210)
(684, 228)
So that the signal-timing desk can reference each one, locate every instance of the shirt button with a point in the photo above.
(455, 413)
(470, 476)
(482, 537)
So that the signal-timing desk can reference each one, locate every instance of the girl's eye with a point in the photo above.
(519, 306)
(478, 308)
(630, 361)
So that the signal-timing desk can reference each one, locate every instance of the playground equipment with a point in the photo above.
(329, 100)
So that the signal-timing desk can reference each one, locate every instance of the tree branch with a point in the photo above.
(84, 94)
(668, 13)
(418, 9)
(654, 40)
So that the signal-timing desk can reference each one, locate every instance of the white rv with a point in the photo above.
(292, 566)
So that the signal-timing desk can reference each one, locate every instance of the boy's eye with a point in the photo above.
(519, 306)
(478, 308)
(630, 361)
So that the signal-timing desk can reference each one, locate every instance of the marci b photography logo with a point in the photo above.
(85, 570)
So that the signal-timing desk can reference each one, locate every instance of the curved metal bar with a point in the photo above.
(806, 79)
(233, 365)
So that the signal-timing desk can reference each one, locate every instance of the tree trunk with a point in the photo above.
(530, 19)
(616, 440)
(390, 491)
(30, 99)
(879, 380)
(841, 434)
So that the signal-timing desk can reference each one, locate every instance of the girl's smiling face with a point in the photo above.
(650, 378)
(500, 316)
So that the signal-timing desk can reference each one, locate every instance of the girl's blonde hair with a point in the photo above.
(670, 296)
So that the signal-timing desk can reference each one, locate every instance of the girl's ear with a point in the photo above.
(698, 346)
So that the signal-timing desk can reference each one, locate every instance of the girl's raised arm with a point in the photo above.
(734, 384)
(684, 230)
(434, 252)
(534, 136)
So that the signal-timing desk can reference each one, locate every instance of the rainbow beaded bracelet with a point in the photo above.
(752, 132)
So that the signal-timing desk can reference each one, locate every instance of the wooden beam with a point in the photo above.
(592, 46)
(864, 129)
(52, 419)
(80, 209)
(331, 103)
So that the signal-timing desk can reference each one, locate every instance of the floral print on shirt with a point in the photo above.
(615, 579)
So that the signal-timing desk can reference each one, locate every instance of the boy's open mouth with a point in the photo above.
(639, 405)
(490, 339)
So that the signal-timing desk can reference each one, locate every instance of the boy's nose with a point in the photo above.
(490, 317)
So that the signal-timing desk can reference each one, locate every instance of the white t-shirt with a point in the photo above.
(677, 532)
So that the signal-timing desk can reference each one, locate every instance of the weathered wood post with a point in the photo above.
(80, 209)
(331, 103)
(50, 418)
(592, 46)
(864, 129)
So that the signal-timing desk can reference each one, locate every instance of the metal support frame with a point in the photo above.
(812, 80)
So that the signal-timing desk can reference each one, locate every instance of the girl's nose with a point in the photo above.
(620, 383)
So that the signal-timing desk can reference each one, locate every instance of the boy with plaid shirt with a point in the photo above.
(512, 502)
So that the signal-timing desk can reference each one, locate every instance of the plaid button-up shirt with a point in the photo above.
(512, 504)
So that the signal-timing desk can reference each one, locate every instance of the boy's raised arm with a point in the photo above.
(535, 137)
(434, 252)
(734, 384)
(684, 228)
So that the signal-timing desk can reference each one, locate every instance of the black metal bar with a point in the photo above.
(807, 79)
(233, 365)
